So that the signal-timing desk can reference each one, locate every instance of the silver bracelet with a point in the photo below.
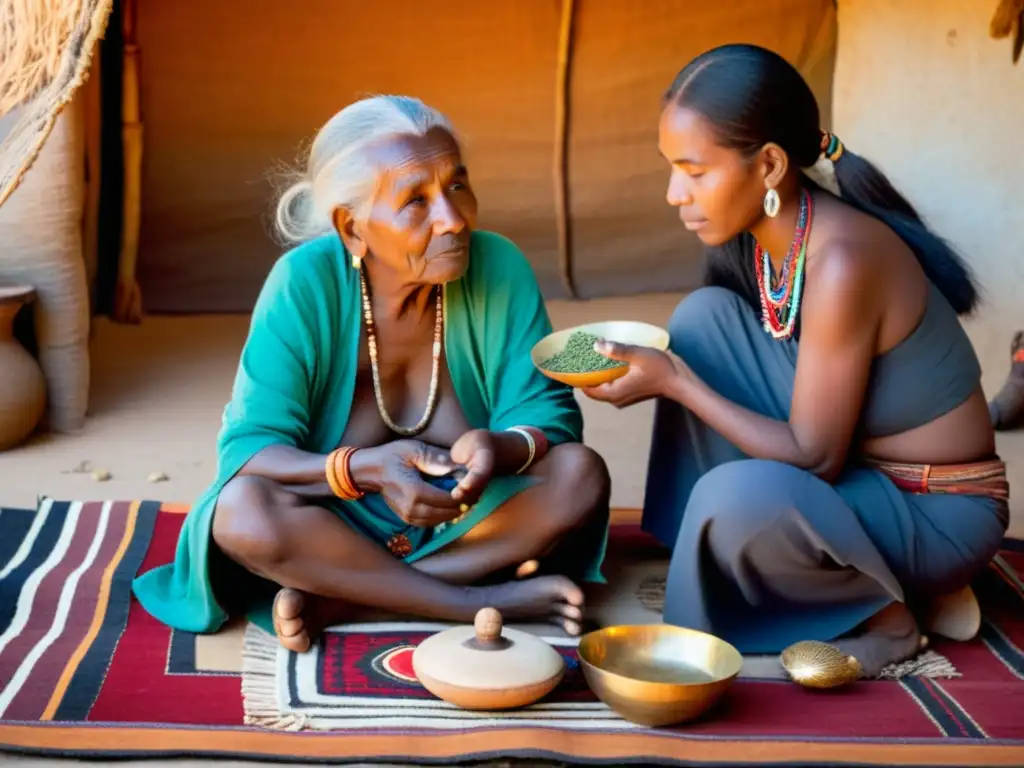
(530, 442)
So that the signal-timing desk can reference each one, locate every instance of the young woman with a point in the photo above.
(823, 458)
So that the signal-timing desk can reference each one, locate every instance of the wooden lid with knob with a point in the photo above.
(487, 665)
(487, 631)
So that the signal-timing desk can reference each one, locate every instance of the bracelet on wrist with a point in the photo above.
(338, 469)
(537, 442)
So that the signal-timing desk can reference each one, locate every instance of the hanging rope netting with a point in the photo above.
(46, 47)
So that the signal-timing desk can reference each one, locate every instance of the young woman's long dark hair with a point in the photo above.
(753, 96)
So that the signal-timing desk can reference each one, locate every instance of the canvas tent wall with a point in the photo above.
(226, 94)
(920, 88)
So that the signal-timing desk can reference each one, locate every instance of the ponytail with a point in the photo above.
(866, 188)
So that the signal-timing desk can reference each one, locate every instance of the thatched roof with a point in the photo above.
(46, 48)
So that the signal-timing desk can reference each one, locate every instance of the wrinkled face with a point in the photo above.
(719, 193)
(421, 217)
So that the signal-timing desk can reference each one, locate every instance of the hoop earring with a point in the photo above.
(772, 203)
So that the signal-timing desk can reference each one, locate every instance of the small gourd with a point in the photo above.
(814, 664)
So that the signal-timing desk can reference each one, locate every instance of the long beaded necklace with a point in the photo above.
(371, 340)
(780, 302)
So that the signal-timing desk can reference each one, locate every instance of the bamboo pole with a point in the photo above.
(561, 168)
(93, 119)
(128, 296)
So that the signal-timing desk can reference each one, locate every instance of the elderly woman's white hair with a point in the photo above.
(338, 172)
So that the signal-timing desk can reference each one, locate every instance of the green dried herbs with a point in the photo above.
(579, 356)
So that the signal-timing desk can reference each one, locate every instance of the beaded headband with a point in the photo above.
(831, 146)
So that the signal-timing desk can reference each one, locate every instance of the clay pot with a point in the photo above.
(22, 386)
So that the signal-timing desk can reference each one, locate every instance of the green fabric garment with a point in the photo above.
(296, 380)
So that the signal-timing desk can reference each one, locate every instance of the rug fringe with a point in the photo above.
(259, 683)
(928, 664)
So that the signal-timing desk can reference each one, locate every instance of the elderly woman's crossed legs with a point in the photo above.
(324, 567)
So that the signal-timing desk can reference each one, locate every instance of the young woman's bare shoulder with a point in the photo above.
(842, 275)
(848, 245)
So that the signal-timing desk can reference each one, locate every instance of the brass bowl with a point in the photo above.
(621, 331)
(658, 674)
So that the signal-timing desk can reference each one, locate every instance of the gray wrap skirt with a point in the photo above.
(764, 553)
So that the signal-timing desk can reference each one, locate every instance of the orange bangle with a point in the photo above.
(332, 478)
(348, 482)
(339, 474)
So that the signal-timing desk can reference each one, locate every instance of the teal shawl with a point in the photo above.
(296, 380)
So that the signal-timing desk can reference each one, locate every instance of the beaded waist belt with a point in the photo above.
(981, 478)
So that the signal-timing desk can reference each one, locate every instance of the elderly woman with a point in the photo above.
(388, 442)
(823, 462)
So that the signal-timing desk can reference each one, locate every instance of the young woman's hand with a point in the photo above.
(652, 373)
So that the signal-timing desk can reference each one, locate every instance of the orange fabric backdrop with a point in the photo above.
(228, 91)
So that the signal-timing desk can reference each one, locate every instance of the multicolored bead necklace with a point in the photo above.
(780, 298)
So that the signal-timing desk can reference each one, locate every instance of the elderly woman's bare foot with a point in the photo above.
(888, 637)
(299, 617)
(546, 598)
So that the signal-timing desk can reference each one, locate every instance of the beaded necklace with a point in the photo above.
(371, 340)
(780, 296)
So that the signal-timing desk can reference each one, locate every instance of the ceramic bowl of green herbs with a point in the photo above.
(569, 356)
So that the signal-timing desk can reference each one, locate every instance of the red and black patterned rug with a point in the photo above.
(85, 672)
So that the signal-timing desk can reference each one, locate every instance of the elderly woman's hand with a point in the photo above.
(396, 470)
(476, 451)
(652, 373)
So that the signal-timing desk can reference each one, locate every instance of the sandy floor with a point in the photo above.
(158, 392)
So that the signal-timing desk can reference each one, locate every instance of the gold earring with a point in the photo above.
(772, 203)
(357, 262)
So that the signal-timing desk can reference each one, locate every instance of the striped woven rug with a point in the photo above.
(85, 672)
